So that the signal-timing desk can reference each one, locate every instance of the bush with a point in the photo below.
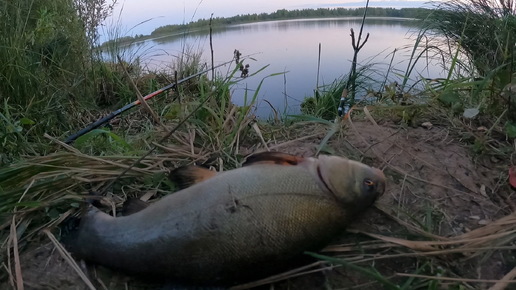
(47, 60)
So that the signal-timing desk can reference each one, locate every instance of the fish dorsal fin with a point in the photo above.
(187, 176)
(273, 158)
(133, 205)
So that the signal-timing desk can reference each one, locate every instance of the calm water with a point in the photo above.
(292, 47)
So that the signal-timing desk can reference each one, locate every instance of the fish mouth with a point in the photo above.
(370, 200)
(365, 201)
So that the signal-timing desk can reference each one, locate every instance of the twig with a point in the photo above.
(211, 50)
(453, 279)
(13, 239)
(400, 205)
(8, 271)
(62, 251)
(274, 147)
(66, 146)
(502, 284)
(16, 254)
(357, 46)
(318, 70)
(139, 95)
(276, 115)
(382, 87)
(408, 226)
(259, 133)
(102, 283)
(496, 122)
(177, 88)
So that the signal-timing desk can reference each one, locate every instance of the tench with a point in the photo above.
(226, 227)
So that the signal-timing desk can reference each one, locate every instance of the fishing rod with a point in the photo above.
(103, 120)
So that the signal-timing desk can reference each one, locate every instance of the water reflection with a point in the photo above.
(292, 47)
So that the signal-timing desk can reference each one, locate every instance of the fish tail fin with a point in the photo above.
(189, 175)
(273, 158)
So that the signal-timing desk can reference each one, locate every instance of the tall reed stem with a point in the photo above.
(318, 70)
(357, 46)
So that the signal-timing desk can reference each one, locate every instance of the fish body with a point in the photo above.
(237, 221)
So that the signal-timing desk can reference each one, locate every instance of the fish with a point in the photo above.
(229, 225)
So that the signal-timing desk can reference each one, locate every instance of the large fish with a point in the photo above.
(260, 216)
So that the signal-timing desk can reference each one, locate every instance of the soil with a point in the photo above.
(435, 183)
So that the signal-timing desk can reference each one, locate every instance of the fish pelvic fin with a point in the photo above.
(133, 205)
(187, 176)
(273, 158)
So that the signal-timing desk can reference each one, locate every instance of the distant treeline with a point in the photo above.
(283, 14)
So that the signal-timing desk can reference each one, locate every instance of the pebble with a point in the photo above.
(427, 125)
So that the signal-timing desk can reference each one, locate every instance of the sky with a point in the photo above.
(142, 17)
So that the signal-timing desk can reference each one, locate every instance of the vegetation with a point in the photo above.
(48, 70)
(485, 30)
(480, 37)
(201, 24)
(489, 46)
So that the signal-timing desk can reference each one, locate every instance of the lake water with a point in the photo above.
(291, 47)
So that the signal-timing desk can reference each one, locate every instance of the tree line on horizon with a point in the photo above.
(282, 14)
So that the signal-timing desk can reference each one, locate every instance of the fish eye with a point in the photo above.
(370, 185)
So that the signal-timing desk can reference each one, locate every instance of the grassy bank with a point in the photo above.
(53, 81)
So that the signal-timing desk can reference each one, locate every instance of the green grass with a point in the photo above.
(479, 38)
(50, 77)
(484, 28)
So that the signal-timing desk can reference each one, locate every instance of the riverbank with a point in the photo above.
(447, 212)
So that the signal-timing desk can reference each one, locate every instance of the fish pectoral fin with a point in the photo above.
(273, 158)
(187, 176)
(133, 205)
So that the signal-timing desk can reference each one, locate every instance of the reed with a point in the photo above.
(485, 29)
(483, 33)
